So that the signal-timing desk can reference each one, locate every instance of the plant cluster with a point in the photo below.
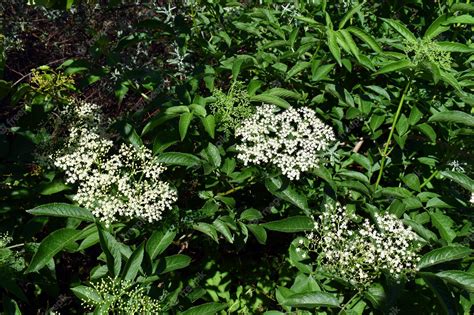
(236, 157)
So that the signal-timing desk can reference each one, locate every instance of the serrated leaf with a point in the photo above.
(111, 247)
(207, 229)
(395, 66)
(179, 158)
(222, 227)
(297, 68)
(209, 124)
(86, 294)
(276, 186)
(442, 255)
(460, 178)
(63, 210)
(401, 29)
(445, 298)
(459, 278)
(290, 224)
(270, 99)
(428, 131)
(443, 224)
(134, 263)
(369, 40)
(50, 246)
(174, 262)
(333, 46)
(214, 155)
(259, 233)
(205, 309)
(454, 116)
(251, 215)
(159, 242)
(311, 300)
(184, 121)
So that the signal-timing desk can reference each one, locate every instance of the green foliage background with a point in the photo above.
(394, 79)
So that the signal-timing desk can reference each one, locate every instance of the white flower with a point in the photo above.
(126, 184)
(360, 253)
(292, 140)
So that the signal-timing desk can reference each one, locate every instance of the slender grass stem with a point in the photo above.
(429, 179)
(394, 123)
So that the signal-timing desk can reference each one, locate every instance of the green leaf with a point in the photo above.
(178, 158)
(205, 309)
(53, 188)
(401, 28)
(333, 46)
(259, 233)
(281, 92)
(412, 181)
(442, 292)
(214, 155)
(111, 249)
(209, 124)
(290, 224)
(184, 121)
(311, 300)
(442, 255)
(322, 72)
(171, 263)
(222, 227)
(207, 229)
(394, 66)
(159, 242)
(455, 47)
(236, 67)
(369, 40)
(443, 224)
(63, 210)
(460, 178)
(428, 131)
(459, 278)
(270, 99)
(251, 215)
(133, 264)
(454, 116)
(50, 246)
(276, 186)
(437, 27)
(297, 68)
(349, 14)
(86, 294)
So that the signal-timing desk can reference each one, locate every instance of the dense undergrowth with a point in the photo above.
(202, 157)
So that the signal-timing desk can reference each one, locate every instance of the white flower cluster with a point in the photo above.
(292, 140)
(360, 253)
(126, 184)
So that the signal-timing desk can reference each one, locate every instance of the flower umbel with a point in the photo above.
(360, 253)
(126, 184)
(292, 140)
(121, 297)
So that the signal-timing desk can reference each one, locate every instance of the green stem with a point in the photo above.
(230, 191)
(348, 302)
(17, 245)
(429, 179)
(387, 144)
